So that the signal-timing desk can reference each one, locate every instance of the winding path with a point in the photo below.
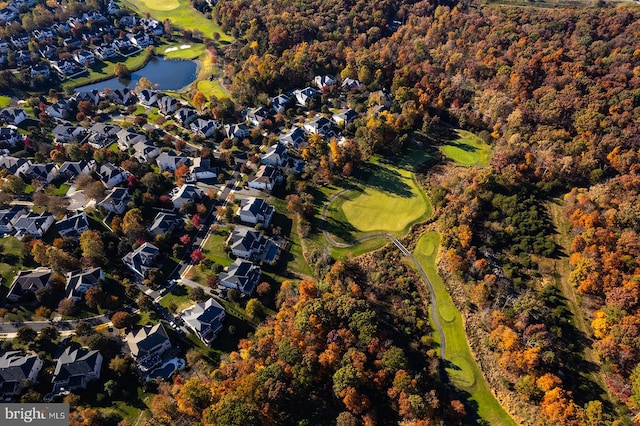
(403, 249)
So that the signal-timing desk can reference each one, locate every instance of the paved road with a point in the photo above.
(403, 249)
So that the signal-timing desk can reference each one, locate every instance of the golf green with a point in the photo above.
(467, 150)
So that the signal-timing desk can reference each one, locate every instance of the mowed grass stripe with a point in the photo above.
(464, 373)
(467, 150)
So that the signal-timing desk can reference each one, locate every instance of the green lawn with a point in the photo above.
(180, 13)
(178, 295)
(212, 88)
(388, 200)
(467, 150)
(463, 371)
(214, 247)
(104, 70)
(4, 101)
(11, 260)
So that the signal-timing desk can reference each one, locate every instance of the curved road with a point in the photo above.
(403, 249)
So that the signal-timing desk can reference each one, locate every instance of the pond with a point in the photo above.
(164, 74)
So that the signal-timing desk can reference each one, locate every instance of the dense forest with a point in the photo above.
(354, 349)
(557, 94)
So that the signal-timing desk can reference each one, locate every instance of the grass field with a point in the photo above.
(212, 88)
(4, 101)
(181, 51)
(12, 252)
(462, 369)
(389, 200)
(180, 13)
(467, 150)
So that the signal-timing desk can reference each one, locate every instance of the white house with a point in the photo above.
(205, 319)
(276, 155)
(256, 210)
(111, 175)
(16, 370)
(324, 82)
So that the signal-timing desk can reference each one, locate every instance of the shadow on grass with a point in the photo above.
(389, 181)
(462, 146)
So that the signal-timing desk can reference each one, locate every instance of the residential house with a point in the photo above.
(17, 369)
(26, 283)
(14, 165)
(184, 116)
(43, 172)
(66, 134)
(319, 124)
(7, 15)
(168, 105)
(116, 200)
(40, 70)
(78, 282)
(48, 52)
(266, 178)
(84, 58)
(128, 21)
(165, 223)
(9, 216)
(124, 96)
(152, 26)
(186, 193)
(124, 47)
(293, 137)
(169, 160)
(241, 275)
(91, 96)
(147, 344)
(142, 259)
(4, 46)
(71, 169)
(72, 43)
(305, 96)
(149, 98)
(24, 57)
(237, 131)
(205, 319)
(140, 40)
(324, 82)
(280, 103)
(13, 116)
(111, 175)
(61, 109)
(75, 369)
(201, 169)
(101, 135)
(258, 115)
(256, 210)
(276, 155)
(344, 117)
(127, 139)
(105, 52)
(65, 68)
(33, 224)
(9, 136)
(145, 152)
(20, 41)
(246, 243)
(73, 226)
(350, 83)
(204, 128)
(112, 8)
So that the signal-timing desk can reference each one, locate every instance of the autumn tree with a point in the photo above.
(121, 319)
(92, 246)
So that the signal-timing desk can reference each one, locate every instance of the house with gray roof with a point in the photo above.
(9, 136)
(200, 169)
(147, 344)
(170, 160)
(116, 200)
(237, 131)
(26, 283)
(256, 210)
(111, 175)
(184, 194)
(18, 368)
(14, 165)
(279, 103)
(241, 275)
(13, 116)
(142, 259)
(71, 169)
(73, 226)
(165, 223)
(63, 133)
(9, 216)
(246, 243)
(205, 319)
(203, 127)
(75, 369)
(33, 224)
(293, 137)
(43, 172)
(276, 155)
(78, 282)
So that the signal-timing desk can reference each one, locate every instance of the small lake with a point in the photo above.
(164, 74)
